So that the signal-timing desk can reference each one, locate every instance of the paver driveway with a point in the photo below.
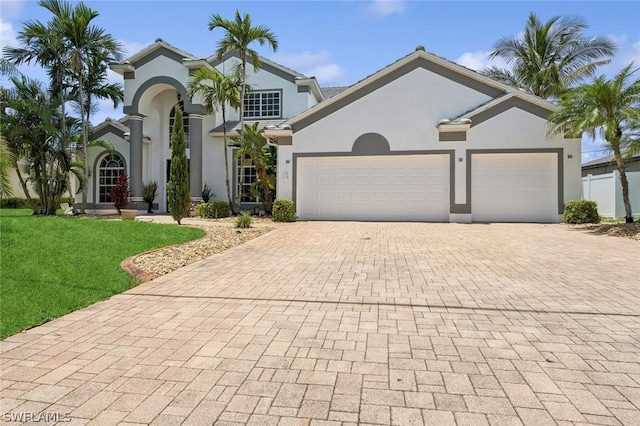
(355, 322)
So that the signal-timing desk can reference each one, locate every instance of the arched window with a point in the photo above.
(111, 167)
(185, 121)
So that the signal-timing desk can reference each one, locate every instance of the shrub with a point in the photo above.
(206, 193)
(23, 203)
(213, 210)
(581, 211)
(244, 220)
(120, 193)
(284, 210)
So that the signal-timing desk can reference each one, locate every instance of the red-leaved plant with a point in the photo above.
(120, 193)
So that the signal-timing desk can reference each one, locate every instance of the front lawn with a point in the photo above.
(50, 266)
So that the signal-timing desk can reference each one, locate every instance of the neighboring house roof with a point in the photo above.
(330, 92)
(384, 76)
(604, 161)
(234, 126)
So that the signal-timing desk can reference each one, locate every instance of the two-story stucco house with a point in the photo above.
(423, 139)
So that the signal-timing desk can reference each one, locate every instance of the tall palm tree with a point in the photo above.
(218, 89)
(7, 158)
(239, 34)
(609, 106)
(550, 57)
(83, 41)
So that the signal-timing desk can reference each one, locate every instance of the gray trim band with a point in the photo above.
(506, 105)
(161, 51)
(394, 75)
(371, 144)
(452, 136)
(189, 108)
(558, 151)
(450, 152)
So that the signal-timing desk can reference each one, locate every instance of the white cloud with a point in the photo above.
(7, 34)
(478, 60)
(316, 64)
(382, 8)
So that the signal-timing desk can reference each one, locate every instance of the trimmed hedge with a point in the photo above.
(213, 209)
(22, 203)
(581, 211)
(284, 210)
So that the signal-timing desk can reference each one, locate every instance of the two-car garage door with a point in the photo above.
(380, 188)
(505, 187)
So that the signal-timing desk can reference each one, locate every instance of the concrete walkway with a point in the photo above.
(329, 323)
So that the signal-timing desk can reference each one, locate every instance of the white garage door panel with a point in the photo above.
(413, 187)
(514, 187)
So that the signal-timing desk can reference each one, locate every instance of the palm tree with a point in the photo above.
(83, 41)
(7, 158)
(218, 89)
(253, 150)
(239, 34)
(611, 107)
(31, 122)
(550, 57)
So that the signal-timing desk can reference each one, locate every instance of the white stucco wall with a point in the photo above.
(406, 112)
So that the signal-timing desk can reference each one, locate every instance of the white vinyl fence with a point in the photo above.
(606, 190)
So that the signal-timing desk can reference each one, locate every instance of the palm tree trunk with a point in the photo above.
(226, 160)
(242, 94)
(25, 189)
(623, 181)
(85, 148)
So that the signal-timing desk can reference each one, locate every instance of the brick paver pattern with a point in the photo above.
(345, 323)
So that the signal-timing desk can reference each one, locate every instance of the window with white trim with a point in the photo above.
(110, 169)
(262, 105)
(185, 121)
(249, 177)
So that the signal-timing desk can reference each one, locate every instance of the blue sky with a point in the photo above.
(341, 42)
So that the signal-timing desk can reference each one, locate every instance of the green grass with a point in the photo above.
(50, 266)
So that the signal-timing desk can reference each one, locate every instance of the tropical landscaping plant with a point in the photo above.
(178, 185)
(31, 122)
(239, 35)
(284, 210)
(120, 193)
(605, 106)
(216, 88)
(254, 150)
(243, 220)
(550, 57)
(206, 193)
(74, 51)
(149, 193)
(581, 211)
(7, 158)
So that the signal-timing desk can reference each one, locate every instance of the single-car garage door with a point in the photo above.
(520, 187)
(384, 188)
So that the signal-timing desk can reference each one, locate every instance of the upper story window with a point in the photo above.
(185, 121)
(263, 105)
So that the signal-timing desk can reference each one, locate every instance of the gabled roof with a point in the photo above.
(109, 125)
(604, 161)
(159, 47)
(214, 61)
(416, 59)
